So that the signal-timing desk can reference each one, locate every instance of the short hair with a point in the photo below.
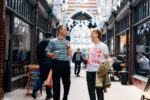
(98, 31)
(114, 59)
(48, 34)
(59, 27)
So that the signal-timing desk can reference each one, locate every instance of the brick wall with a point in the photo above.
(74, 5)
(2, 45)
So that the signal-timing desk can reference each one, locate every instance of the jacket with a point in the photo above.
(74, 58)
(102, 79)
(43, 60)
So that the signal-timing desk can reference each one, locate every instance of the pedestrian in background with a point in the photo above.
(116, 65)
(97, 54)
(60, 50)
(45, 66)
(77, 59)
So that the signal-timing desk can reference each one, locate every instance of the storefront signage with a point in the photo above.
(33, 77)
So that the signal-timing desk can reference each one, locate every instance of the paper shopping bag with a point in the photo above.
(49, 81)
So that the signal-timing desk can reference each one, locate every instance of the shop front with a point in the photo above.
(141, 43)
(143, 49)
(132, 33)
(21, 50)
(118, 34)
(18, 31)
(25, 26)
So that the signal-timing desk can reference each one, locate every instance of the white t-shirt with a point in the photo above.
(97, 54)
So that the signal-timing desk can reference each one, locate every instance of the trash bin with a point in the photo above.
(123, 77)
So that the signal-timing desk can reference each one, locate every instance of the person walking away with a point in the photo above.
(45, 66)
(77, 59)
(60, 49)
(97, 54)
(84, 59)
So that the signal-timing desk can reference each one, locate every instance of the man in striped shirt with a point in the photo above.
(59, 49)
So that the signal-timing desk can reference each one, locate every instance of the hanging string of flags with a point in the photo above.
(88, 23)
(58, 3)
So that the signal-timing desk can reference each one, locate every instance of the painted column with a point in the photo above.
(2, 45)
(130, 42)
(106, 32)
(115, 34)
(35, 32)
(115, 39)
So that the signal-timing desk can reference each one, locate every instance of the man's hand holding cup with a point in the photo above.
(54, 54)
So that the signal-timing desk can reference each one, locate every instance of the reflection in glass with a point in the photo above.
(143, 49)
(21, 46)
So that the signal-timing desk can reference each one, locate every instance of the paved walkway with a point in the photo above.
(79, 91)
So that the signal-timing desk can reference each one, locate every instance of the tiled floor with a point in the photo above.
(78, 91)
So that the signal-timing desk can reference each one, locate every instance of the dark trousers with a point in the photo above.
(77, 68)
(43, 76)
(90, 77)
(61, 69)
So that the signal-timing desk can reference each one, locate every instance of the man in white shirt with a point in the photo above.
(97, 54)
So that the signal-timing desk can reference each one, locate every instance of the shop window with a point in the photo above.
(41, 36)
(22, 7)
(143, 49)
(123, 24)
(112, 46)
(122, 44)
(111, 41)
(21, 46)
(142, 10)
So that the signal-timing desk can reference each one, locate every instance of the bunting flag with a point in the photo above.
(58, 3)
(53, 12)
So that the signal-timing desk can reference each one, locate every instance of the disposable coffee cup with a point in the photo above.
(57, 52)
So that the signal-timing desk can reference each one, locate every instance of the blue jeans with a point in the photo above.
(43, 76)
(77, 68)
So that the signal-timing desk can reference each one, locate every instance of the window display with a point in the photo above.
(112, 46)
(143, 49)
(21, 46)
(41, 36)
(122, 43)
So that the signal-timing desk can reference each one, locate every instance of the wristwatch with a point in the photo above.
(68, 47)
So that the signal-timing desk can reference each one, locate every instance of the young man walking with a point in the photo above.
(97, 53)
(60, 49)
(45, 66)
(77, 59)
